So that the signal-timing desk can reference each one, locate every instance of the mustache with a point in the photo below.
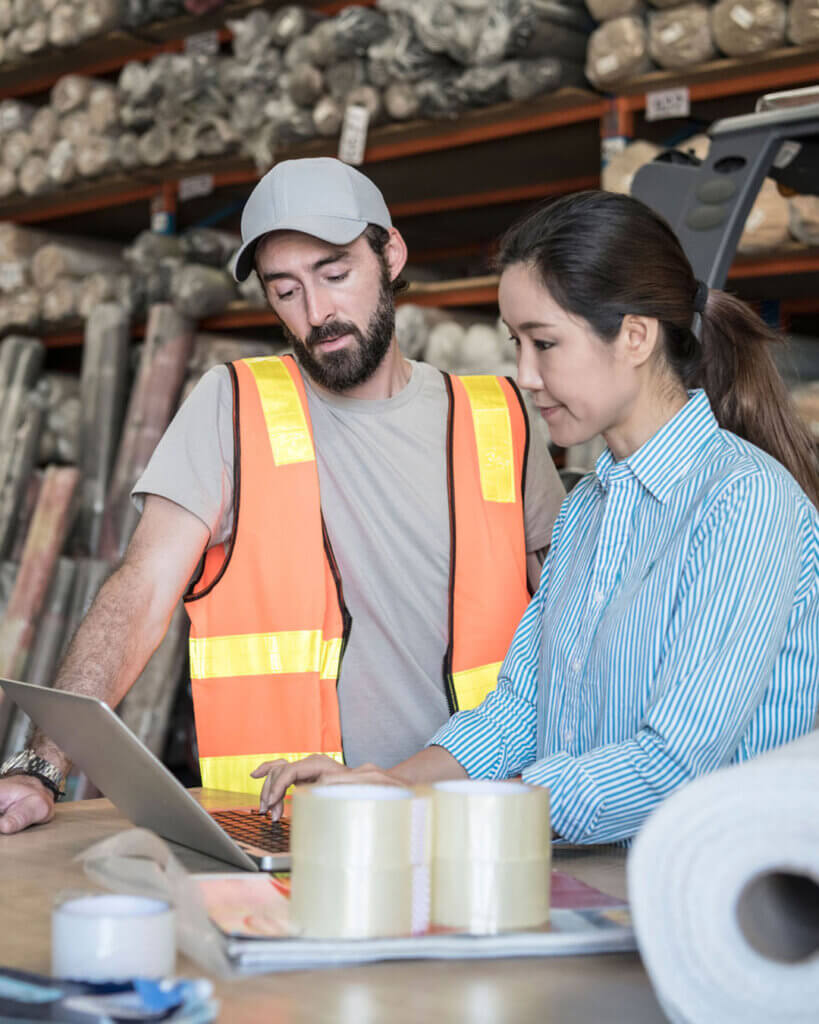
(332, 330)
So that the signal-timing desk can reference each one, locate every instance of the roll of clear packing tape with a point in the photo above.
(491, 856)
(360, 862)
(108, 937)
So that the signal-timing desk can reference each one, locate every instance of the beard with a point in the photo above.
(355, 363)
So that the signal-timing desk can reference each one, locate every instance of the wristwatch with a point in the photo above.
(29, 763)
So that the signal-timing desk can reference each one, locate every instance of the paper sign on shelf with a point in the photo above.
(204, 44)
(353, 140)
(665, 103)
(195, 185)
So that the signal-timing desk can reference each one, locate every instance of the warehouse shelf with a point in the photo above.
(110, 51)
(473, 291)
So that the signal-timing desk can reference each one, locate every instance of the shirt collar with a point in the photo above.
(669, 454)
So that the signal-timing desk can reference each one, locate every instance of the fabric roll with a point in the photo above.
(62, 163)
(63, 26)
(70, 93)
(724, 890)
(76, 126)
(767, 226)
(33, 176)
(328, 115)
(742, 27)
(16, 149)
(103, 107)
(804, 219)
(605, 10)
(34, 37)
(43, 129)
(681, 36)
(618, 173)
(617, 51)
(803, 22)
(60, 301)
(8, 182)
(98, 16)
(97, 155)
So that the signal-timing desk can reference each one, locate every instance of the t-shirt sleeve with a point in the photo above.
(192, 464)
(544, 492)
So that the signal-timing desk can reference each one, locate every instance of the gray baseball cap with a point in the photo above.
(320, 196)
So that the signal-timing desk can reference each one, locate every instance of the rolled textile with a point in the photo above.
(97, 16)
(127, 150)
(617, 51)
(200, 291)
(60, 300)
(804, 218)
(6, 15)
(15, 115)
(290, 22)
(328, 114)
(305, 85)
(209, 246)
(63, 26)
(43, 130)
(26, 11)
(605, 10)
(75, 126)
(103, 107)
(8, 182)
(74, 258)
(526, 79)
(741, 27)
(724, 890)
(400, 102)
(12, 50)
(368, 97)
(96, 156)
(156, 145)
(767, 226)
(803, 22)
(16, 149)
(96, 288)
(33, 176)
(251, 34)
(18, 243)
(618, 173)
(34, 37)
(70, 92)
(681, 36)
(62, 163)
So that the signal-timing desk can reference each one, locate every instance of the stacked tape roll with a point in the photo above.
(360, 862)
(107, 937)
(724, 891)
(491, 856)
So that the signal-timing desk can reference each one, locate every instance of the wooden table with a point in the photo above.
(37, 864)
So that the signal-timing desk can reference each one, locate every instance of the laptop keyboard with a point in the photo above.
(251, 827)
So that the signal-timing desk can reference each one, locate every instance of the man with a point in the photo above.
(351, 506)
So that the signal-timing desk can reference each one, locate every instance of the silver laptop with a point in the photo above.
(142, 788)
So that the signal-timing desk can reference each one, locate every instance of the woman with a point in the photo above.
(676, 625)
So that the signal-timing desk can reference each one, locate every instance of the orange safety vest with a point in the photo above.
(268, 619)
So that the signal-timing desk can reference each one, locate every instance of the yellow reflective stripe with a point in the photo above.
(283, 411)
(233, 773)
(493, 434)
(262, 654)
(473, 684)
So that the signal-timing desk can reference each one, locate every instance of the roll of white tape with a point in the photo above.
(105, 937)
(491, 856)
(360, 865)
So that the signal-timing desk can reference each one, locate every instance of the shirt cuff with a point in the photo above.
(575, 804)
(473, 741)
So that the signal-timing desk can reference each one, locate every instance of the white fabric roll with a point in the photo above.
(724, 892)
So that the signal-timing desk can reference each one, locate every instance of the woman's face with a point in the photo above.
(581, 385)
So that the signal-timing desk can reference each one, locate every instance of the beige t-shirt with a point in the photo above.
(382, 475)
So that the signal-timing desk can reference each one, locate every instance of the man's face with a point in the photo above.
(334, 302)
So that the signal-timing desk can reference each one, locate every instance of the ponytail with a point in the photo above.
(601, 255)
(747, 394)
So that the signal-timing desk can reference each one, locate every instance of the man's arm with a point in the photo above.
(122, 629)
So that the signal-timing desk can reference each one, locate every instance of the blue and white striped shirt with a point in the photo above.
(675, 629)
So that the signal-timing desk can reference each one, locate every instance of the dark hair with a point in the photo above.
(377, 238)
(602, 255)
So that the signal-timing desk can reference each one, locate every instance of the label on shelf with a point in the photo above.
(195, 185)
(611, 146)
(664, 103)
(353, 140)
(162, 222)
(204, 44)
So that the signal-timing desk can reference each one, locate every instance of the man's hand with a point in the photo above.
(315, 768)
(24, 801)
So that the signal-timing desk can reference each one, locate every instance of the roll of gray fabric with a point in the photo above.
(70, 92)
(803, 22)
(34, 38)
(617, 51)
(16, 149)
(33, 176)
(742, 27)
(103, 107)
(200, 291)
(341, 78)
(75, 126)
(63, 26)
(43, 130)
(529, 78)
(252, 35)
(26, 11)
(290, 22)
(523, 29)
(15, 115)
(305, 85)
(140, 12)
(62, 162)
(327, 116)
(300, 51)
(208, 246)
(481, 87)
(127, 150)
(400, 101)
(437, 97)
(681, 36)
(98, 16)
(401, 56)
(156, 145)
(96, 156)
